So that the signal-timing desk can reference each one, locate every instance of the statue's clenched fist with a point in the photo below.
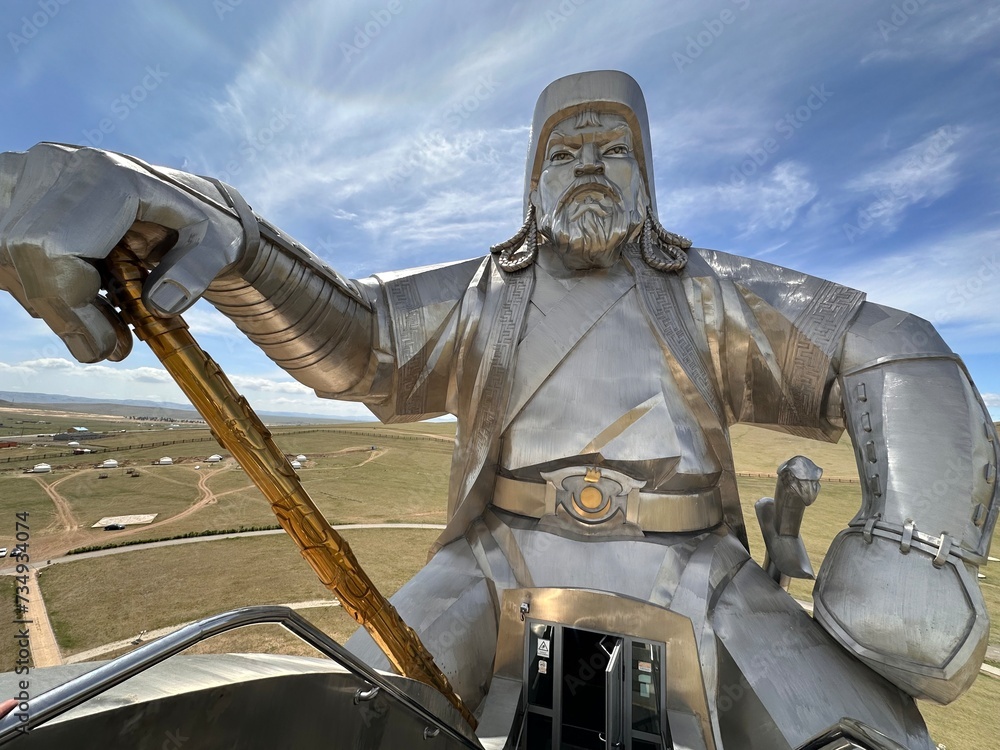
(62, 211)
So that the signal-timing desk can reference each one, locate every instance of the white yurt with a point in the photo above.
(166, 461)
(300, 457)
(213, 459)
(296, 465)
(41, 469)
(109, 464)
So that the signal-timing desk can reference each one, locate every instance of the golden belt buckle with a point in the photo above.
(591, 494)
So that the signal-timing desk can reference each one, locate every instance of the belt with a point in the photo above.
(594, 496)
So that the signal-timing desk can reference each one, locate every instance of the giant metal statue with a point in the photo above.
(593, 586)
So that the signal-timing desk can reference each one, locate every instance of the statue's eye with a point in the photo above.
(618, 150)
(560, 156)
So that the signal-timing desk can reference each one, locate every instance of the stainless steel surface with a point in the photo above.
(780, 518)
(928, 510)
(45, 707)
(605, 91)
(513, 345)
(451, 606)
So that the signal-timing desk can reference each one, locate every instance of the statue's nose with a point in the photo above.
(590, 162)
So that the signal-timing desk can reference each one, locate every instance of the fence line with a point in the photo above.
(766, 475)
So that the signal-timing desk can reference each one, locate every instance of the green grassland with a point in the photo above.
(101, 600)
(22, 493)
(97, 601)
(164, 490)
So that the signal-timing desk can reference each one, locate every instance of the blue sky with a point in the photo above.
(851, 140)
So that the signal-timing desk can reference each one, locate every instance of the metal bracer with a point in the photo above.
(898, 587)
(310, 320)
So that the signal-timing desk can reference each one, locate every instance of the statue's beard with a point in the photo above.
(589, 224)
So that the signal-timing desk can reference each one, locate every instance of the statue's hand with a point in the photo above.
(62, 210)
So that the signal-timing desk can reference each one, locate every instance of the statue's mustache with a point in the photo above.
(590, 184)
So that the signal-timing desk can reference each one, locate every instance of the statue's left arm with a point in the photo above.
(898, 587)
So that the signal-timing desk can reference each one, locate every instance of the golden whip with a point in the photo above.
(240, 431)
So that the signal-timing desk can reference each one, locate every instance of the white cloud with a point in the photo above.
(920, 174)
(771, 200)
(949, 281)
(991, 399)
(269, 385)
(948, 31)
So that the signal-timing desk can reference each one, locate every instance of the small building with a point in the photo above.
(77, 429)
(41, 469)
(296, 465)
(109, 464)
(300, 457)
(72, 443)
(165, 461)
(213, 459)
(81, 451)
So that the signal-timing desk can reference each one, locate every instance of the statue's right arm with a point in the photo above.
(63, 209)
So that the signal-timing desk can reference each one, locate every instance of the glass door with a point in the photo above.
(585, 690)
(614, 686)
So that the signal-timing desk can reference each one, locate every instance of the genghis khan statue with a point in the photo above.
(594, 363)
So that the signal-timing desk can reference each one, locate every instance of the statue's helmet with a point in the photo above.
(603, 91)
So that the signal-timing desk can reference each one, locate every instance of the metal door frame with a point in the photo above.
(556, 658)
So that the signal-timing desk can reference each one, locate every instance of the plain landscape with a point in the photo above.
(98, 603)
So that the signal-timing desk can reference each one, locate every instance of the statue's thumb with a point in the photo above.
(184, 273)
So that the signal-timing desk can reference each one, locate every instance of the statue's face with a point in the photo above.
(590, 196)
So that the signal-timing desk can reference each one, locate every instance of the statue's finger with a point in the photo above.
(67, 300)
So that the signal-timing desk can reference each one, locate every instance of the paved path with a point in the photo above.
(197, 539)
(44, 649)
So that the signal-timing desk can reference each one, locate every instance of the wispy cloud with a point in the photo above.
(921, 173)
(773, 201)
(948, 31)
(948, 280)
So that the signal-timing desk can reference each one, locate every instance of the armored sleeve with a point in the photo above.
(387, 341)
(898, 587)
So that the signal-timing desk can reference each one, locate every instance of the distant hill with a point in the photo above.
(138, 407)
(56, 398)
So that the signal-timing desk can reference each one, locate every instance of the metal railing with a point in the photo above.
(61, 699)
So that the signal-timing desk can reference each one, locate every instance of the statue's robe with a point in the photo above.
(744, 341)
(741, 341)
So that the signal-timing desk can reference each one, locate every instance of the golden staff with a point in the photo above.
(240, 431)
